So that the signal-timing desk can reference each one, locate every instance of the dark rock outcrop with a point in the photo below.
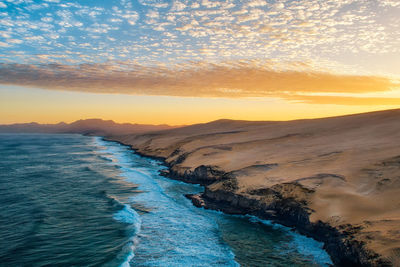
(203, 175)
(285, 203)
(276, 204)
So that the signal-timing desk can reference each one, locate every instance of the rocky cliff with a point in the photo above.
(335, 179)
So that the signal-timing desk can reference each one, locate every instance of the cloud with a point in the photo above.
(326, 31)
(178, 6)
(199, 79)
(347, 100)
(391, 3)
(155, 3)
(254, 3)
(131, 17)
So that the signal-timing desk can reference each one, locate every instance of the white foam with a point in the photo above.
(187, 237)
(190, 237)
(302, 244)
(129, 216)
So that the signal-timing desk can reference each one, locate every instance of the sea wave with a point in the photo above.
(129, 216)
(191, 236)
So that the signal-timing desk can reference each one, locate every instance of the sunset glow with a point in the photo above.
(183, 62)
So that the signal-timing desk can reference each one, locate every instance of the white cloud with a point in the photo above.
(256, 3)
(131, 17)
(154, 3)
(153, 14)
(195, 5)
(47, 19)
(273, 29)
(178, 6)
(391, 3)
(15, 41)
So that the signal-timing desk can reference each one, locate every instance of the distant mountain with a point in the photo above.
(88, 127)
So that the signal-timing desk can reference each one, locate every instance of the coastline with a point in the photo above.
(339, 244)
(333, 179)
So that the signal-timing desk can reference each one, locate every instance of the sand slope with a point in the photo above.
(350, 164)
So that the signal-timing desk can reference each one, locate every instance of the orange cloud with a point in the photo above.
(346, 100)
(198, 80)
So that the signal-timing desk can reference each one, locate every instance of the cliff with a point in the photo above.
(334, 179)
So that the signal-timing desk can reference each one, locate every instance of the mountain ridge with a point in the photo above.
(92, 126)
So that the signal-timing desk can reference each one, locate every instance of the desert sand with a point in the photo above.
(340, 173)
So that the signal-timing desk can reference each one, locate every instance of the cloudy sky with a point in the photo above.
(180, 61)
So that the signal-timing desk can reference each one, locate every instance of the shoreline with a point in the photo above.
(285, 211)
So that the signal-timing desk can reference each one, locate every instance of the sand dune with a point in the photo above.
(344, 171)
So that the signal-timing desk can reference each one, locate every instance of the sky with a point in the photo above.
(182, 62)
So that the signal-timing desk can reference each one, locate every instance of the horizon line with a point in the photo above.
(221, 119)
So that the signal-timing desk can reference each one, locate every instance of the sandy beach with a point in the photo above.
(335, 179)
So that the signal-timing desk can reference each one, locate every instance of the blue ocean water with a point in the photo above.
(73, 200)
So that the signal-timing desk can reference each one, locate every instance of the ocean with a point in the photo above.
(73, 200)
